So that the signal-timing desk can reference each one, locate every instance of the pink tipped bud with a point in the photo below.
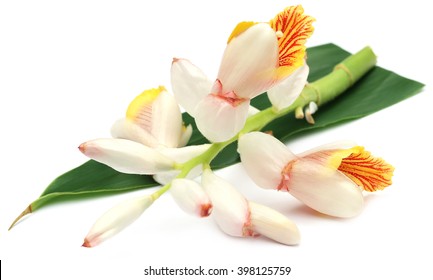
(230, 208)
(191, 197)
(126, 156)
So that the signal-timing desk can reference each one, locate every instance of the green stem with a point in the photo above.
(344, 75)
(205, 158)
(160, 191)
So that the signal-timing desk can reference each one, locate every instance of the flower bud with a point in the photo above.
(126, 156)
(153, 118)
(116, 219)
(191, 197)
(230, 208)
(273, 224)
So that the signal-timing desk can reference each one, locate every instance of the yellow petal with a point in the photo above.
(241, 27)
(141, 104)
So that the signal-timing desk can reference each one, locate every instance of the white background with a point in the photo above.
(68, 69)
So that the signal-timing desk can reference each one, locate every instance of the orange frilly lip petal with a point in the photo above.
(368, 172)
(293, 28)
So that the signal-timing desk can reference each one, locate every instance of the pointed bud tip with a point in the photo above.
(82, 148)
(175, 59)
(206, 210)
(86, 244)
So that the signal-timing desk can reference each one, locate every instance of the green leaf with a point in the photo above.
(377, 90)
(92, 177)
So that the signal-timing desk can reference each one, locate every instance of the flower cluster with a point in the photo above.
(152, 140)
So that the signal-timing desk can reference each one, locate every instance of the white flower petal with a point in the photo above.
(273, 224)
(127, 129)
(191, 197)
(325, 190)
(338, 145)
(312, 107)
(219, 120)
(116, 219)
(252, 111)
(230, 208)
(183, 154)
(283, 94)
(180, 155)
(247, 61)
(189, 84)
(264, 158)
(157, 113)
(167, 176)
(166, 120)
(126, 156)
(186, 135)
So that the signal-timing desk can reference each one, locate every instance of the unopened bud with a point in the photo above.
(273, 224)
(116, 219)
(191, 197)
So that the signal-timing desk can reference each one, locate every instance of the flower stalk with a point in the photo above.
(344, 75)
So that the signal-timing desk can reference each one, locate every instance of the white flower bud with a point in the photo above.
(126, 156)
(116, 219)
(153, 118)
(311, 177)
(191, 197)
(272, 224)
(230, 208)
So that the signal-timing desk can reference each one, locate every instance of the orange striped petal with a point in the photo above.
(293, 28)
(366, 171)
